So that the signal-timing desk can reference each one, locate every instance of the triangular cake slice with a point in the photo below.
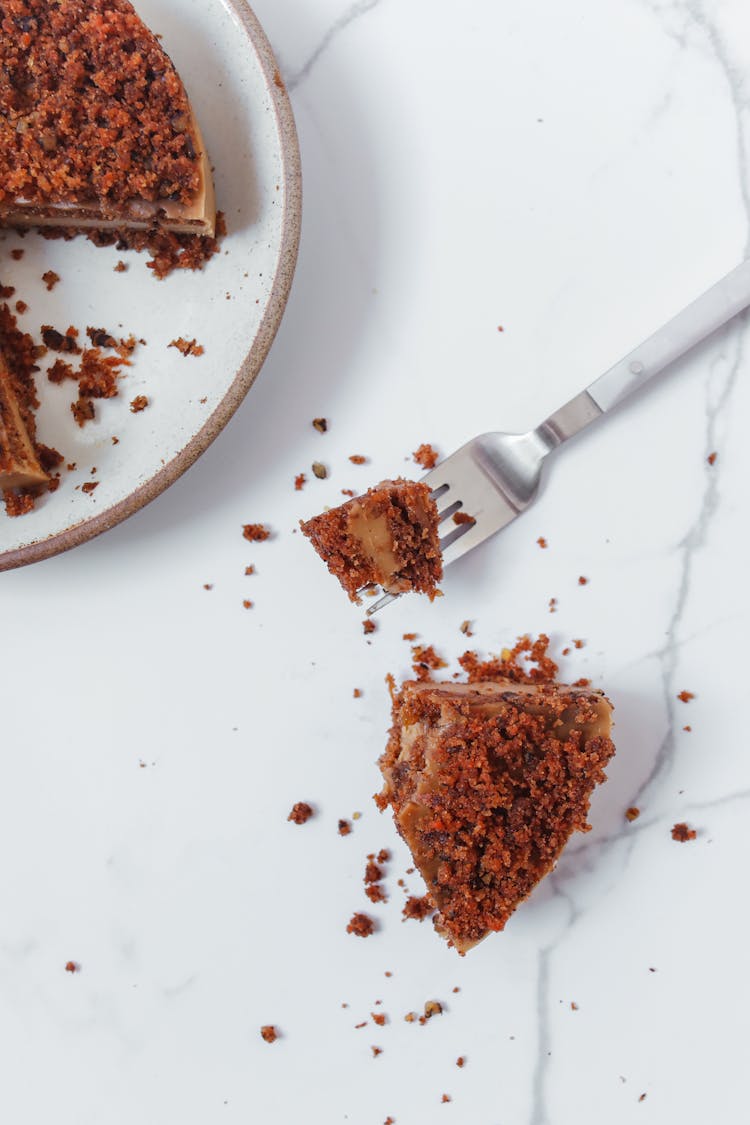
(19, 458)
(96, 129)
(487, 781)
(386, 537)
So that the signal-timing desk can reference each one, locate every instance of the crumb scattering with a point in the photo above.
(255, 532)
(301, 812)
(360, 925)
(187, 347)
(682, 833)
(426, 456)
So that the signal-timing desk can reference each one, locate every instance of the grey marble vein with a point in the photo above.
(352, 13)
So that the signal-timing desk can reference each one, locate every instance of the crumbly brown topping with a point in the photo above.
(418, 908)
(93, 110)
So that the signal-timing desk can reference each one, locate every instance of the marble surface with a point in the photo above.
(575, 174)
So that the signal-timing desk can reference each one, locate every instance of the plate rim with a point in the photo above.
(249, 369)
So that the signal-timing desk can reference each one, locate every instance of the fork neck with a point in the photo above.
(569, 420)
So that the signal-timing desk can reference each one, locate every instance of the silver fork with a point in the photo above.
(494, 477)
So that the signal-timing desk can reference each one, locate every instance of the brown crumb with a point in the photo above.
(445, 1098)
(301, 812)
(682, 833)
(712, 458)
(299, 482)
(208, 585)
(460, 1062)
(187, 347)
(379, 1018)
(368, 625)
(389, 1120)
(71, 967)
(456, 989)
(89, 486)
(17, 254)
(553, 605)
(542, 542)
(686, 696)
(247, 604)
(139, 403)
(410, 1017)
(573, 1006)
(632, 813)
(462, 518)
(357, 693)
(101, 338)
(344, 827)
(120, 267)
(83, 411)
(583, 581)
(375, 893)
(360, 925)
(58, 341)
(59, 371)
(466, 629)
(357, 1026)
(320, 424)
(278, 81)
(376, 1051)
(642, 1098)
(566, 651)
(255, 532)
(425, 660)
(432, 1008)
(269, 1033)
(426, 456)
(358, 459)
(249, 570)
(688, 728)
(50, 279)
(418, 907)
(348, 492)
(21, 307)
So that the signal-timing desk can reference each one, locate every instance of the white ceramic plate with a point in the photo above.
(232, 308)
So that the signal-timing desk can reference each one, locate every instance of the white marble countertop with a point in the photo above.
(574, 174)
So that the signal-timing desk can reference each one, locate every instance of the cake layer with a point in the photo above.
(19, 464)
(387, 537)
(487, 781)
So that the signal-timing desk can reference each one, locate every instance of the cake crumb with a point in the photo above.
(360, 925)
(445, 1098)
(466, 629)
(426, 456)
(82, 410)
(642, 1098)
(682, 833)
(583, 581)
(344, 827)
(299, 482)
(21, 307)
(463, 518)
(255, 532)
(89, 486)
(121, 267)
(348, 492)
(573, 1006)
(418, 907)
(688, 728)
(460, 1062)
(432, 1008)
(379, 1018)
(139, 403)
(553, 605)
(358, 459)
(247, 604)
(320, 424)
(632, 813)
(712, 458)
(686, 696)
(187, 347)
(376, 1051)
(71, 967)
(17, 254)
(50, 279)
(357, 693)
(269, 1033)
(301, 812)
(542, 542)
(368, 626)
(208, 585)
(249, 570)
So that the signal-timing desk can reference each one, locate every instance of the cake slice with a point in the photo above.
(487, 781)
(96, 129)
(19, 459)
(387, 537)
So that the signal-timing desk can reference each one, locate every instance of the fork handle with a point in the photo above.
(703, 316)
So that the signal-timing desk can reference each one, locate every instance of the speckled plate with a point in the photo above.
(232, 308)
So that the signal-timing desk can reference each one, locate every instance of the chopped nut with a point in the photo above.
(319, 470)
